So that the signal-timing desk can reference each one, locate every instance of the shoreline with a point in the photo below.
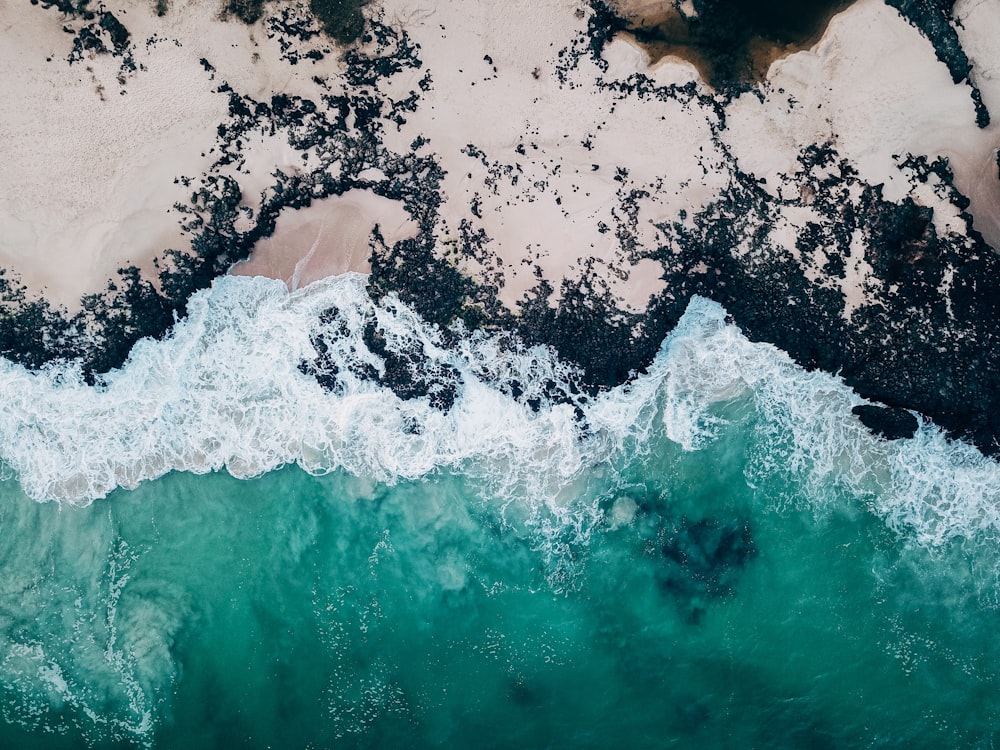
(550, 182)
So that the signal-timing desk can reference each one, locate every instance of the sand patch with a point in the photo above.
(89, 161)
(93, 153)
(874, 89)
(979, 30)
(556, 172)
(548, 169)
(328, 238)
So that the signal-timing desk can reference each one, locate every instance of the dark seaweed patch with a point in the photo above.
(341, 20)
(695, 561)
(248, 11)
(701, 561)
(934, 20)
(95, 32)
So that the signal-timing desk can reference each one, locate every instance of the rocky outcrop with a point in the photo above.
(892, 424)
(917, 332)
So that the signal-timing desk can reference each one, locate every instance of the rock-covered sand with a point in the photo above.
(519, 158)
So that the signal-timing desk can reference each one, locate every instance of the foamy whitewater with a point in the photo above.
(225, 391)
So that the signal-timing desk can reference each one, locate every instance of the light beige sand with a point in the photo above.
(88, 172)
(89, 163)
(551, 220)
(89, 182)
(977, 163)
(872, 86)
(328, 238)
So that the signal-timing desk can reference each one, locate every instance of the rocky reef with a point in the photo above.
(897, 294)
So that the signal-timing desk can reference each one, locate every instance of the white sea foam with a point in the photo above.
(66, 670)
(930, 486)
(225, 391)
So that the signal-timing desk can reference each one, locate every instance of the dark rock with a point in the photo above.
(702, 560)
(918, 342)
(934, 20)
(410, 373)
(926, 339)
(117, 31)
(889, 422)
(341, 19)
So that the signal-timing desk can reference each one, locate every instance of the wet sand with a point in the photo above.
(735, 40)
(330, 237)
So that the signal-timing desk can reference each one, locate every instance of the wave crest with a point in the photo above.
(235, 387)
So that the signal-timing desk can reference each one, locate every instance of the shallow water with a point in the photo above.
(722, 556)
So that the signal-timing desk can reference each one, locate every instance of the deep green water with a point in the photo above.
(686, 599)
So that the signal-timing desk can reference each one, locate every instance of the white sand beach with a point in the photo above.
(543, 158)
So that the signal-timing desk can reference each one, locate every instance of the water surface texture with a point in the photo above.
(717, 554)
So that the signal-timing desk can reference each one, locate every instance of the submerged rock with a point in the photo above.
(702, 560)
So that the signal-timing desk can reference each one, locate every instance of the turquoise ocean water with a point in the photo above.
(211, 551)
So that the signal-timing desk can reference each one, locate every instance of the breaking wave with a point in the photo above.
(235, 387)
